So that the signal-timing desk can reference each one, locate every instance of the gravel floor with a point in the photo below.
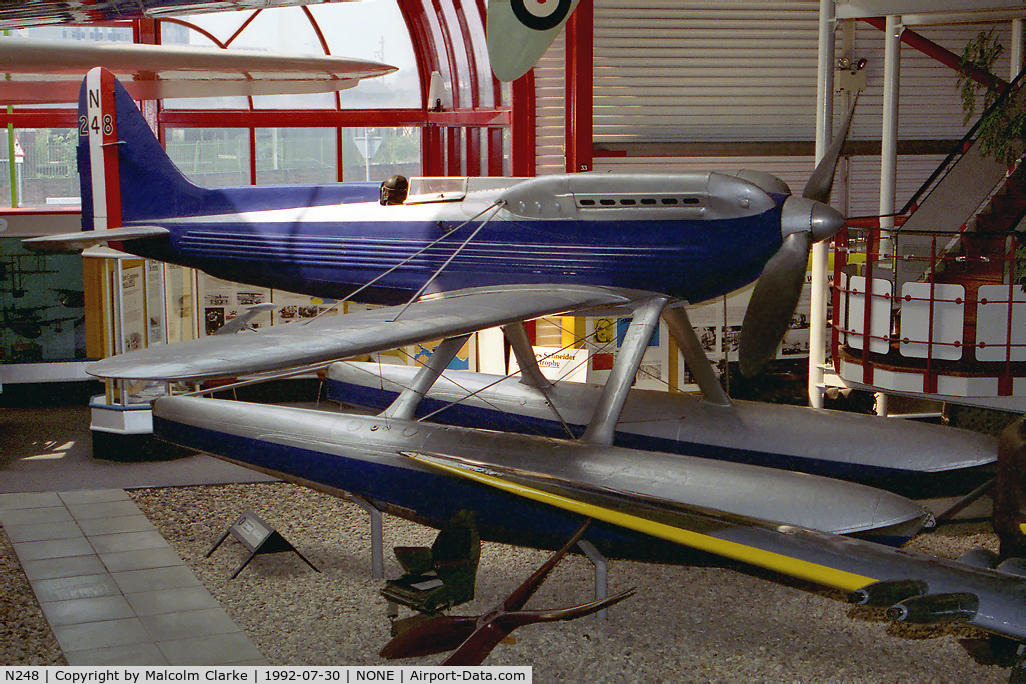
(686, 623)
(25, 636)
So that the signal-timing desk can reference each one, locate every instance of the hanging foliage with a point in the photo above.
(1003, 128)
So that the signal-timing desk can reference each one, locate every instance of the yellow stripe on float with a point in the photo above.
(777, 562)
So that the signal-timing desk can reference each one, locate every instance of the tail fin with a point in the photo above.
(127, 177)
(125, 173)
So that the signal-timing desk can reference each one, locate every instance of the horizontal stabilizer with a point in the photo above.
(76, 242)
(339, 337)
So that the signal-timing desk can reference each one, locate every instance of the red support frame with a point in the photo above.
(579, 89)
(941, 54)
(524, 136)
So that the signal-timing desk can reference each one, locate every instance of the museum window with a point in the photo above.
(377, 153)
(296, 156)
(211, 157)
(43, 170)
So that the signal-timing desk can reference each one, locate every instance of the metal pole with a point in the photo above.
(601, 573)
(820, 251)
(1016, 53)
(889, 148)
(888, 161)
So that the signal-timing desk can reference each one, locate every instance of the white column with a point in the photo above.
(1016, 53)
(888, 154)
(889, 148)
(820, 251)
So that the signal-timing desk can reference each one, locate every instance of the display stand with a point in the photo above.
(601, 573)
(377, 535)
(258, 537)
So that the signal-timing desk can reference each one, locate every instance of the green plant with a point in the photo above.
(1003, 128)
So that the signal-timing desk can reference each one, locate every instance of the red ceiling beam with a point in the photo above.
(40, 118)
(291, 118)
(941, 54)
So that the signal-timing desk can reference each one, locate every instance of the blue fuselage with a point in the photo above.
(330, 250)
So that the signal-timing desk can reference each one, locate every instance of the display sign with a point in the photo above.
(258, 537)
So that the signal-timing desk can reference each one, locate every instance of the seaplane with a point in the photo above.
(446, 258)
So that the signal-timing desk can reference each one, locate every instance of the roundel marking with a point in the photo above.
(541, 15)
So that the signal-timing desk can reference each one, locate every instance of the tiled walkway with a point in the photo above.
(112, 589)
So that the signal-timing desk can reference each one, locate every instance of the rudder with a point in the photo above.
(125, 174)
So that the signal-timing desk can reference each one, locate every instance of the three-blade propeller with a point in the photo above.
(804, 221)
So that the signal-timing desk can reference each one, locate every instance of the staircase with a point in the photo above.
(984, 251)
(912, 317)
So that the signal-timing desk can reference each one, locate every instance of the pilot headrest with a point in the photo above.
(394, 190)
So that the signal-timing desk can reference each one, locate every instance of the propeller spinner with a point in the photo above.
(804, 220)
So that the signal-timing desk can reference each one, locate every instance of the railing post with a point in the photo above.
(840, 261)
(929, 378)
(867, 313)
(1005, 381)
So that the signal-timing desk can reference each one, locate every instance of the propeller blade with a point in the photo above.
(530, 617)
(476, 648)
(522, 594)
(822, 179)
(435, 635)
(478, 645)
(773, 302)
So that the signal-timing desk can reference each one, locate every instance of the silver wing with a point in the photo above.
(916, 587)
(339, 337)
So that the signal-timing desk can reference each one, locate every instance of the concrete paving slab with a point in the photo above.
(128, 541)
(51, 568)
(78, 611)
(34, 516)
(19, 500)
(43, 531)
(53, 548)
(172, 600)
(188, 624)
(65, 588)
(104, 509)
(211, 650)
(155, 579)
(126, 523)
(140, 560)
(131, 654)
(93, 635)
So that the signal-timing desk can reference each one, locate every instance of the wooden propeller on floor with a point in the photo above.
(474, 637)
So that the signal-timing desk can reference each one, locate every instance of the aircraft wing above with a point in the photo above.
(520, 31)
(163, 71)
(42, 12)
(873, 574)
(338, 337)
